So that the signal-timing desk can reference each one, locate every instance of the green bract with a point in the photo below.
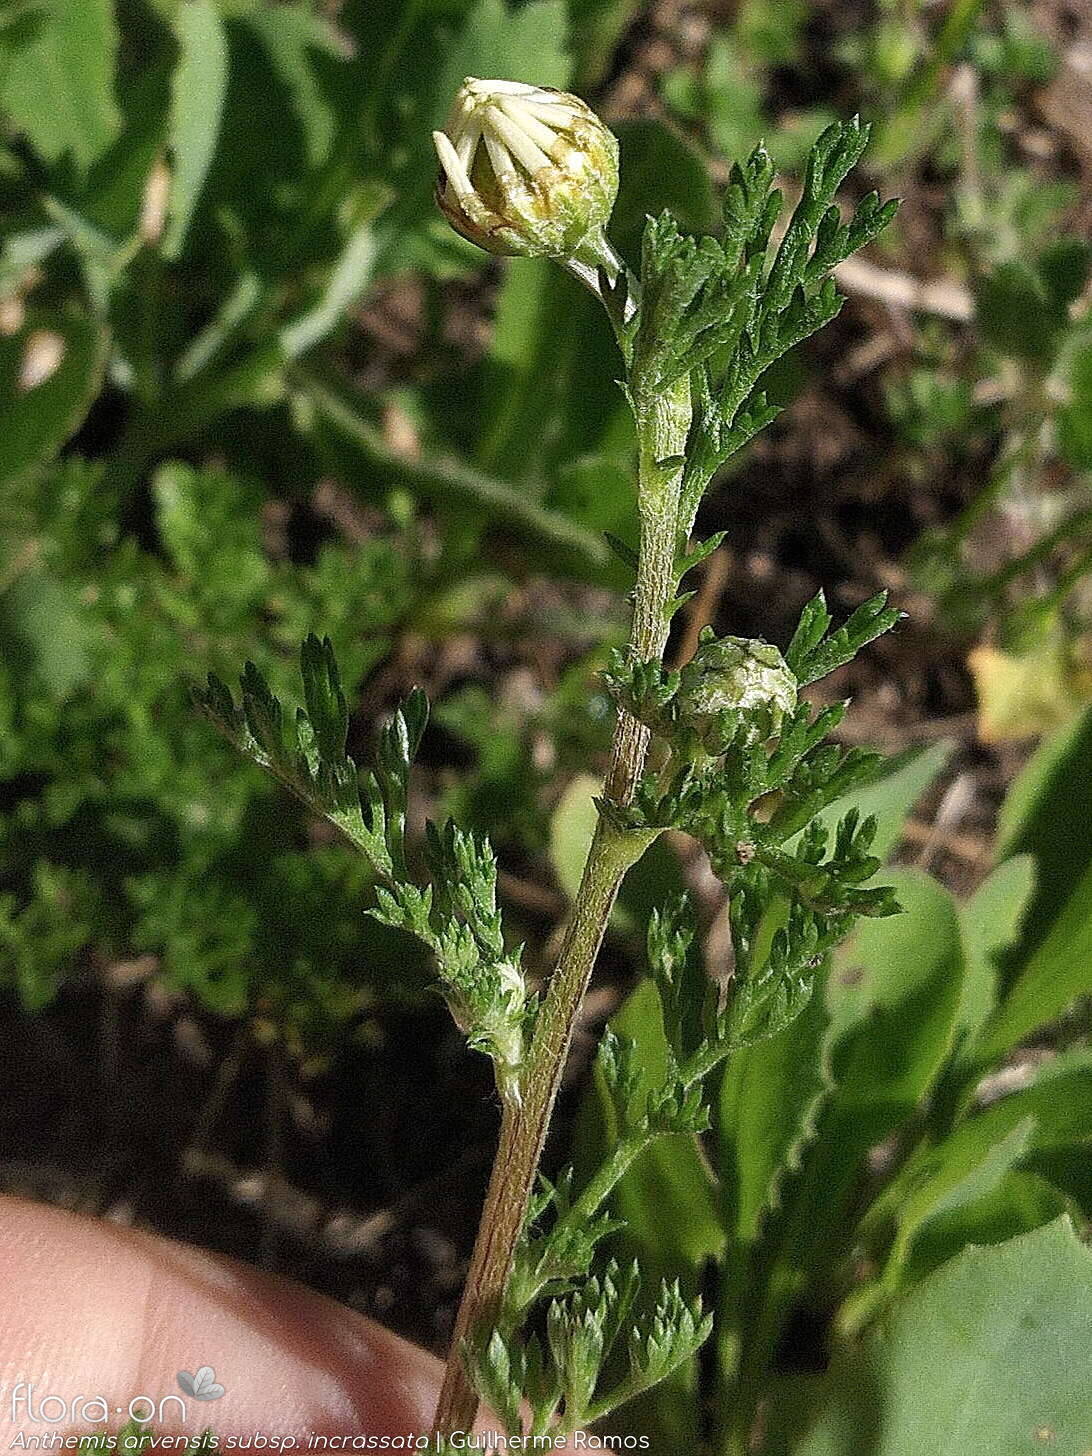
(527, 171)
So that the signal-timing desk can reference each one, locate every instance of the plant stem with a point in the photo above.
(663, 423)
(610, 1173)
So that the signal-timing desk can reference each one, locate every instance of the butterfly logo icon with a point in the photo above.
(202, 1385)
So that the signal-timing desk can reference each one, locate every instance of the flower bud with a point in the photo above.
(527, 171)
(737, 672)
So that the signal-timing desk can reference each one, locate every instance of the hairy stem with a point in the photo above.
(663, 422)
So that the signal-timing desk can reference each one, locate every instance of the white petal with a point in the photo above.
(525, 119)
(467, 144)
(484, 89)
(518, 142)
(557, 110)
(500, 156)
(449, 161)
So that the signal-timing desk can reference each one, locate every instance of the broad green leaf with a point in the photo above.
(965, 1188)
(989, 1356)
(769, 1097)
(571, 829)
(115, 192)
(1016, 313)
(1057, 1105)
(668, 1203)
(772, 34)
(528, 41)
(348, 280)
(667, 1196)
(197, 105)
(767, 1113)
(50, 371)
(1075, 414)
(597, 490)
(58, 80)
(1067, 1171)
(549, 377)
(893, 1001)
(990, 921)
(1056, 973)
(653, 881)
(960, 1178)
(989, 1201)
(1045, 815)
(293, 37)
(1012, 1204)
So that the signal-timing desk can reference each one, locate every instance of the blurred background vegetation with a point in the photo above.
(252, 386)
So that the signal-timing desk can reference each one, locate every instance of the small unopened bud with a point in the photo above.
(737, 672)
(528, 171)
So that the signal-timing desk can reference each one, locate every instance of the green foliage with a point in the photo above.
(1022, 309)
(821, 1130)
(769, 1096)
(171, 270)
(1053, 976)
(890, 1053)
(561, 1378)
(723, 311)
(280, 240)
(39, 938)
(730, 733)
(179, 268)
(889, 798)
(65, 52)
(749, 783)
(50, 371)
(1028, 1298)
(199, 91)
(815, 651)
(1025, 267)
(725, 96)
(455, 913)
(129, 830)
